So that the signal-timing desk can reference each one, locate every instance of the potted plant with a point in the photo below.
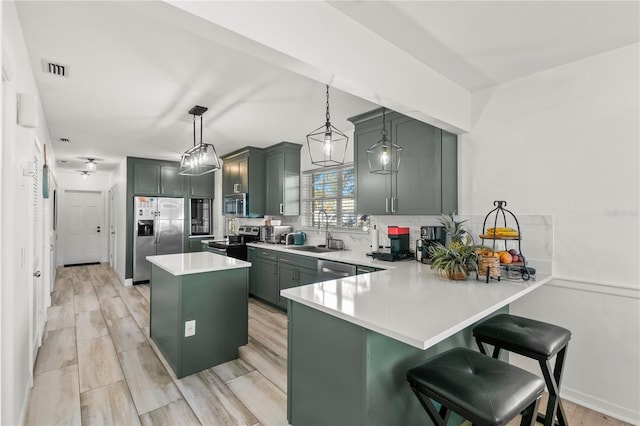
(456, 262)
(454, 230)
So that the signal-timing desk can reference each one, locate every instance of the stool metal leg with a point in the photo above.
(529, 414)
(438, 418)
(555, 409)
(483, 351)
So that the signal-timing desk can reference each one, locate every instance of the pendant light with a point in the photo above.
(84, 174)
(91, 165)
(201, 158)
(327, 145)
(384, 156)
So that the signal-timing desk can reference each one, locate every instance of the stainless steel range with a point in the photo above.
(236, 245)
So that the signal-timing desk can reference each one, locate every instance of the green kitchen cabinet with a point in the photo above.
(294, 271)
(252, 257)
(154, 177)
(243, 171)
(146, 177)
(267, 275)
(171, 183)
(195, 244)
(201, 186)
(426, 182)
(282, 181)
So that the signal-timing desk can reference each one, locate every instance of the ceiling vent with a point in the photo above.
(65, 140)
(50, 67)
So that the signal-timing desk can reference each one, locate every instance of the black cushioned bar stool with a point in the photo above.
(533, 339)
(481, 389)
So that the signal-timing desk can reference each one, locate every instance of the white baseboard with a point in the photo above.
(601, 406)
(128, 282)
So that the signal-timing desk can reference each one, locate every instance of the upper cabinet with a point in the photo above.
(426, 182)
(283, 179)
(201, 186)
(243, 172)
(152, 177)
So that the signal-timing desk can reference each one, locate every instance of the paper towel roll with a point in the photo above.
(375, 242)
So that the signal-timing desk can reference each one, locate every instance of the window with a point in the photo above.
(329, 195)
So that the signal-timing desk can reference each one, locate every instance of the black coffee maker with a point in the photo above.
(429, 236)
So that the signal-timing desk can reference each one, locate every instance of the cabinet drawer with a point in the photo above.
(267, 254)
(299, 261)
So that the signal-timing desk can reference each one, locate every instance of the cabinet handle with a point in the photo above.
(386, 205)
(281, 208)
(393, 207)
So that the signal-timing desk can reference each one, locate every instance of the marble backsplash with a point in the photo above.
(536, 231)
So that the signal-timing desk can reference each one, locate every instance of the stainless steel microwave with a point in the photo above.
(235, 204)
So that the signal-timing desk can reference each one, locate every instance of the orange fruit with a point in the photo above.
(505, 257)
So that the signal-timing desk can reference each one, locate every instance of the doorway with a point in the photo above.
(82, 227)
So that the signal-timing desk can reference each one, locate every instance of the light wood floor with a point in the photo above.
(97, 365)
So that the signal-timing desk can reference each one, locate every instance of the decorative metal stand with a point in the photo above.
(500, 219)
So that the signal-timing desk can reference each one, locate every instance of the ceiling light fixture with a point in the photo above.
(384, 156)
(327, 145)
(201, 158)
(91, 165)
(85, 174)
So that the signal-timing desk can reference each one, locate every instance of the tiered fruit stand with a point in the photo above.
(497, 217)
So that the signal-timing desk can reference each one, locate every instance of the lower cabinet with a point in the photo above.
(294, 271)
(266, 274)
(195, 244)
(273, 271)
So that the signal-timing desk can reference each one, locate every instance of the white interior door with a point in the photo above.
(37, 314)
(112, 227)
(82, 231)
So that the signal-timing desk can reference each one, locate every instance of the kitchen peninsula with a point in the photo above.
(199, 313)
(352, 340)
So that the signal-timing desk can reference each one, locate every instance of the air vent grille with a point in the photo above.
(54, 68)
(65, 140)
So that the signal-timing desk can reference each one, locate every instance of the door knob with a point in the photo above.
(36, 274)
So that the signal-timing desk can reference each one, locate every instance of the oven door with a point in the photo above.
(217, 249)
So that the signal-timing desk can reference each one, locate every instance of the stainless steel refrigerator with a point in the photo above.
(158, 229)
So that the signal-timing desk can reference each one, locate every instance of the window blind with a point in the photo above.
(331, 190)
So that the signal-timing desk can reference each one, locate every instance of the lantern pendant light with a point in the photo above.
(201, 158)
(327, 145)
(384, 156)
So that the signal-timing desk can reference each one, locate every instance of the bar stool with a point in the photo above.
(533, 339)
(483, 390)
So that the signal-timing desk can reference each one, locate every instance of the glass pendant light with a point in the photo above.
(84, 174)
(384, 156)
(327, 145)
(91, 165)
(201, 158)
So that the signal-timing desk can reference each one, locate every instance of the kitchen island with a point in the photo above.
(199, 313)
(352, 340)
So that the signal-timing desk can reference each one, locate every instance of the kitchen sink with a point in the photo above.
(312, 249)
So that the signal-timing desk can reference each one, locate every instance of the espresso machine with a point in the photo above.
(429, 236)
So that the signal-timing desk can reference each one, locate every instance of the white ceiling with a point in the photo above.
(135, 73)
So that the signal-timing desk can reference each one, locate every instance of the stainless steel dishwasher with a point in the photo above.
(328, 270)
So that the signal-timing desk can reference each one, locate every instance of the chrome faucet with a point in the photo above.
(327, 234)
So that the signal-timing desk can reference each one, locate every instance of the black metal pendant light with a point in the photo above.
(384, 156)
(201, 158)
(327, 145)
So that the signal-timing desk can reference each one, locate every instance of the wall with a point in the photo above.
(16, 246)
(72, 181)
(118, 184)
(564, 142)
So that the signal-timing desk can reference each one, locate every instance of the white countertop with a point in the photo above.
(408, 301)
(195, 263)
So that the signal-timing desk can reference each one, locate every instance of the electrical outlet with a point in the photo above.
(190, 328)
